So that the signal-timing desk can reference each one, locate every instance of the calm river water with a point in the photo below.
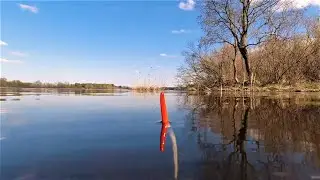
(116, 135)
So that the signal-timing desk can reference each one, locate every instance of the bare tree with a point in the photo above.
(292, 61)
(230, 52)
(289, 61)
(205, 68)
(246, 23)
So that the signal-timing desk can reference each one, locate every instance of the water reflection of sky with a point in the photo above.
(117, 137)
(82, 132)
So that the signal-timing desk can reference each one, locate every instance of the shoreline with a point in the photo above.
(315, 87)
(266, 89)
(43, 88)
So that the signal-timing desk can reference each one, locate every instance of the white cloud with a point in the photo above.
(298, 4)
(180, 31)
(293, 4)
(166, 55)
(19, 54)
(32, 9)
(2, 43)
(188, 5)
(137, 71)
(2, 60)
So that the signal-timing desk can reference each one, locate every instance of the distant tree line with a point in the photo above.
(38, 84)
(252, 42)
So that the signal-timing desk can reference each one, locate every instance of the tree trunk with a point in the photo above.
(245, 57)
(243, 44)
(235, 78)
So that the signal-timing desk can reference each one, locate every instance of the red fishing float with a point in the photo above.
(164, 113)
(164, 121)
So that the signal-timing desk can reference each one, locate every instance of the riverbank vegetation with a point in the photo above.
(4, 83)
(38, 84)
(148, 89)
(156, 88)
(253, 45)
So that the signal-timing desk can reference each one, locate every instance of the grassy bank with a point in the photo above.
(301, 87)
(147, 89)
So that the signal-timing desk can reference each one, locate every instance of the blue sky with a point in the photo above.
(118, 42)
(106, 41)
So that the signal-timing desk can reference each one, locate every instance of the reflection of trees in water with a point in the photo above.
(248, 138)
(10, 92)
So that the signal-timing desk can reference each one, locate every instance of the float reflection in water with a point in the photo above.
(164, 129)
(163, 134)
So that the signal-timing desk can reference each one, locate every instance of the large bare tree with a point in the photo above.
(246, 23)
